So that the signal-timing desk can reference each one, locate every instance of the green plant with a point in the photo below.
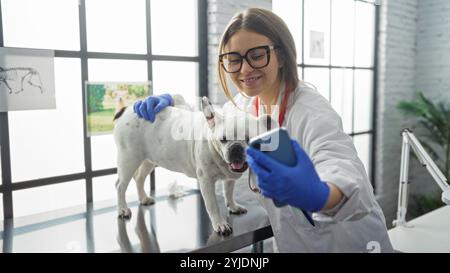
(422, 204)
(435, 118)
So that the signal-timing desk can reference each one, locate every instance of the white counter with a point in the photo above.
(429, 233)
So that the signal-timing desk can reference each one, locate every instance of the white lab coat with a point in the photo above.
(357, 223)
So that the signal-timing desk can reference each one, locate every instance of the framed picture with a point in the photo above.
(104, 99)
(27, 79)
(317, 44)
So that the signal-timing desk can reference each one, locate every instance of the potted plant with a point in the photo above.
(434, 118)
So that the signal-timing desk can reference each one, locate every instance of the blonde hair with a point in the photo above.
(266, 23)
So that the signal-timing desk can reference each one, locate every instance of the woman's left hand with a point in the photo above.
(298, 186)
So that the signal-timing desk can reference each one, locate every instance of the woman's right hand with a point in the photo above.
(152, 105)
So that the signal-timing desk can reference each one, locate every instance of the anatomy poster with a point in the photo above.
(27, 79)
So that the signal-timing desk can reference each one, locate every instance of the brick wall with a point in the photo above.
(414, 54)
(433, 66)
(219, 14)
(396, 81)
(433, 49)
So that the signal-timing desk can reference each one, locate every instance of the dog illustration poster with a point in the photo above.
(104, 98)
(27, 79)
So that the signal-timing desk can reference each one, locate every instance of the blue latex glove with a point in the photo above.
(152, 105)
(298, 186)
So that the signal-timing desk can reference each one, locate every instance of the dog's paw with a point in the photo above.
(223, 228)
(124, 213)
(147, 201)
(237, 209)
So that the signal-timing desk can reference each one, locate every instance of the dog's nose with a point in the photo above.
(236, 151)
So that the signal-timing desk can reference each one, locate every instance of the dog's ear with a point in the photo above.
(209, 112)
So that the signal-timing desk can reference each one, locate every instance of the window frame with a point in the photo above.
(7, 187)
(374, 69)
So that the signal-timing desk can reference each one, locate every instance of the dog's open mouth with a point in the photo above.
(238, 166)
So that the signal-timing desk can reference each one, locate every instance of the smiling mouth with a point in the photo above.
(238, 166)
(251, 79)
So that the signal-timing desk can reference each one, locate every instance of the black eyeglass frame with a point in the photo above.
(268, 48)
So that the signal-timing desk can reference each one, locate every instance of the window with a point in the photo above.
(48, 198)
(34, 24)
(364, 46)
(342, 25)
(104, 188)
(317, 32)
(186, 83)
(170, 38)
(291, 12)
(95, 40)
(337, 41)
(362, 145)
(319, 77)
(362, 100)
(103, 147)
(116, 26)
(342, 99)
(55, 134)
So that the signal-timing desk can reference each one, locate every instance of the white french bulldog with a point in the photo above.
(180, 140)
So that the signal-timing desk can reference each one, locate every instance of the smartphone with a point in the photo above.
(277, 144)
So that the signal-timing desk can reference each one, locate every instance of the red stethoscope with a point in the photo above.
(280, 122)
(283, 106)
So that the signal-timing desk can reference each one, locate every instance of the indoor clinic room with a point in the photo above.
(146, 126)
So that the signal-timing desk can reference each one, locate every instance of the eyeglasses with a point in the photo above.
(257, 57)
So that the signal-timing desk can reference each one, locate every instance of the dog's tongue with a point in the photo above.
(237, 165)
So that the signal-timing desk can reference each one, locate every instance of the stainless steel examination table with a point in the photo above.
(170, 225)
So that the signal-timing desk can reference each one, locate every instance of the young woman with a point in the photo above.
(257, 53)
